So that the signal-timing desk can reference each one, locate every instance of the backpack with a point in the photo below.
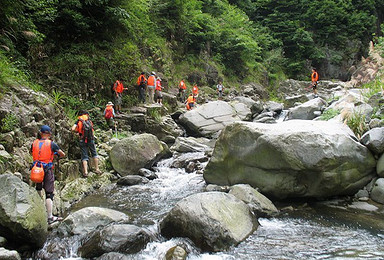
(108, 114)
(86, 130)
(37, 173)
(143, 82)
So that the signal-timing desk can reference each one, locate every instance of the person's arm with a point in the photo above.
(74, 127)
(57, 151)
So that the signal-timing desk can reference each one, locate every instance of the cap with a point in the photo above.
(109, 103)
(45, 129)
(158, 78)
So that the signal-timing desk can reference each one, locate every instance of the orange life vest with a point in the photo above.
(151, 80)
(315, 76)
(158, 85)
(118, 87)
(182, 85)
(190, 99)
(42, 150)
(195, 90)
(141, 79)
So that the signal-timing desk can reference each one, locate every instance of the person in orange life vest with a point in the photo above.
(195, 91)
(141, 84)
(43, 150)
(314, 81)
(190, 102)
(84, 128)
(159, 95)
(151, 85)
(118, 89)
(109, 114)
(182, 88)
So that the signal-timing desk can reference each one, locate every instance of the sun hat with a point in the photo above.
(109, 103)
(153, 73)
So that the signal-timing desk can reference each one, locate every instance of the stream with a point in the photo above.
(317, 230)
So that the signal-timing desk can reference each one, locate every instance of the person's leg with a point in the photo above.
(94, 155)
(49, 187)
(84, 157)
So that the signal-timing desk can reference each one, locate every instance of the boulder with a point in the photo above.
(176, 253)
(132, 180)
(121, 238)
(209, 118)
(377, 193)
(23, 219)
(150, 175)
(191, 144)
(374, 140)
(260, 205)
(296, 158)
(9, 254)
(214, 221)
(138, 151)
(114, 256)
(87, 219)
(306, 111)
(380, 166)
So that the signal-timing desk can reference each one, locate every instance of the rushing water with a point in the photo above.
(319, 232)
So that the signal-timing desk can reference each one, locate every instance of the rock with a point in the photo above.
(274, 107)
(214, 221)
(380, 166)
(121, 238)
(87, 219)
(23, 219)
(3, 241)
(136, 152)
(377, 193)
(132, 180)
(296, 158)
(176, 253)
(374, 140)
(306, 111)
(209, 118)
(185, 159)
(257, 108)
(191, 144)
(9, 254)
(114, 256)
(260, 205)
(249, 102)
(213, 187)
(150, 175)
(291, 101)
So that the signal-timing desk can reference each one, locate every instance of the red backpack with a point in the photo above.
(108, 112)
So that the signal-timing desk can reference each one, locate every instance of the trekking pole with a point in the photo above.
(116, 129)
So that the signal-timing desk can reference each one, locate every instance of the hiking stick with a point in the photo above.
(116, 129)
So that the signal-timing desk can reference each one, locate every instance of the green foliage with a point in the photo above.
(155, 115)
(58, 97)
(329, 114)
(9, 123)
(372, 88)
(356, 122)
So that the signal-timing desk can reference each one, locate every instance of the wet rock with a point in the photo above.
(3, 241)
(214, 221)
(185, 159)
(377, 193)
(132, 180)
(9, 254)
(374, 140)
(121, 238)
(306, 111)
(176, 253)
(114, 256)
(191, 144)
(296, 158)
(260, 205)
(23, 219)
(87, 219)
(213, 187)
(136, 152)
(380, 166)
(150, 175)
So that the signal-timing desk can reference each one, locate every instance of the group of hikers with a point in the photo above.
(43, 149)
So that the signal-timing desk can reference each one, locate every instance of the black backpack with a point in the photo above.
(87, 130)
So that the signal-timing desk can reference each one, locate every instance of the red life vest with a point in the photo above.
(182, 85)
(118, 87)
(151, 81)
(195, 90)
(108, 112)
(158, 85)
(42, 150)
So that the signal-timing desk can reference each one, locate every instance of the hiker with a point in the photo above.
(220, 89)
(182, 88)
(118, 88)
(84, 128)
(190, 102)
(43, 151)
(159, 94)
(141, 84)
(195, 91)
(314, 81)
(151, 85)
(109, 114)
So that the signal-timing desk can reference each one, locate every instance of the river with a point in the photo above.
(314, 230)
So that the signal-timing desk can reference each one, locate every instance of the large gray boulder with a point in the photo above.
(377, 193)
(23, 219)
(138, 151)
(191, 144)
(9, 254)
(296, 158)
(88, 219)
(122, 238)
(209, 118)
(374, 140)
(380, 166)
(214, 221)
(306, 111)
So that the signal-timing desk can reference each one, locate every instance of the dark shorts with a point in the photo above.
(159, 94)
(84, 147)
(191, 105)
(48, 183)
(110, 121)
(118, 99)
(314, 86)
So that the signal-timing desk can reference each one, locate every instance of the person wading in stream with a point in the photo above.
(84, 128)
(43, 151)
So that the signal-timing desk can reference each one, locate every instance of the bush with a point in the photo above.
(329, 114)
(9, 123)
(356, 122)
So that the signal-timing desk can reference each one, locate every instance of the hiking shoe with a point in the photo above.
(98, 172)
(54, 219)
